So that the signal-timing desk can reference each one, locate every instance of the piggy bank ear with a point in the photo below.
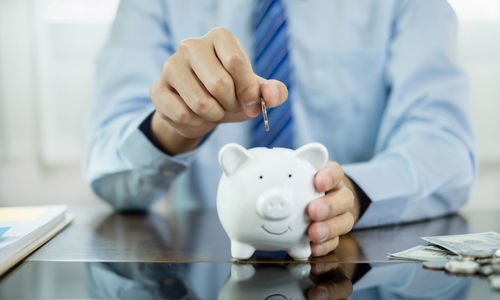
(315, 153)
(231, 157)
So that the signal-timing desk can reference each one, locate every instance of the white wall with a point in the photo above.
(17, 117)
(47, 53)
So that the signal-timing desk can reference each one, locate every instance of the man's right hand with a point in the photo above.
(207, 81)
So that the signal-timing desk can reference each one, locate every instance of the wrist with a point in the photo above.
(168, 139)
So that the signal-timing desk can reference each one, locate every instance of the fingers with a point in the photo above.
(174, 108)
(319, 249)
(230, 53)
(210, 80)
(329, 177)
(209, 70)
(192, 91)
(273, 91)
(320, 232)
(322, 267)
(331, 204)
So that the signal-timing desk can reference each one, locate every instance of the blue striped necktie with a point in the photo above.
(272, 61)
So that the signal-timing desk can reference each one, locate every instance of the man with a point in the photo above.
(375, 81)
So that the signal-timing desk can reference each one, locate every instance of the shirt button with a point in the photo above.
(168, 173)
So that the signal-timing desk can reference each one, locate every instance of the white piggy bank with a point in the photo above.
(262, 197)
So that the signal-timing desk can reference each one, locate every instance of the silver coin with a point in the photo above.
(494, 281)
(465, 267)
(488, 261)
(496, 268)
(264, 113)
(479, 254)
(434, 265)
(462, 258)
(486, 270)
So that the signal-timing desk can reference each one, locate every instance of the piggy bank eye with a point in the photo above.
(289, 175)
(260, 177)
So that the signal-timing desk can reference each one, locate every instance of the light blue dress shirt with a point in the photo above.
(376, 82)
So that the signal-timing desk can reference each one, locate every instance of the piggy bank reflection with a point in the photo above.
(262, 197)
(267, 281)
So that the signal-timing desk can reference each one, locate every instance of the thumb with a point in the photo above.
(273, 91)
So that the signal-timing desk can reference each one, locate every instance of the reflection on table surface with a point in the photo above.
(97, 234)
(186, 255)
(122, 280)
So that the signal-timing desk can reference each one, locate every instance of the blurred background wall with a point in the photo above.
(47, 54)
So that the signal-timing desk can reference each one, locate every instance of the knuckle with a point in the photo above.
(207, 107)
(154, 90)
(248, 94)
(234, 60)
(220, 86)
(336, 166)
(183, 117)
(187, 45)
(168, 64)
(219, 31)
(202, 106)
(169, 67)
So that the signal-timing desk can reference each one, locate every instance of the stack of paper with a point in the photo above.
(24, 229)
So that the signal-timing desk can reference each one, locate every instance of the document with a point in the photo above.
(27, 228)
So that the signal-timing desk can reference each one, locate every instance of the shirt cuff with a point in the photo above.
(142, 154)
(384, 181)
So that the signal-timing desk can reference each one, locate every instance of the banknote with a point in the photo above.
(423, 253)
(465, 243)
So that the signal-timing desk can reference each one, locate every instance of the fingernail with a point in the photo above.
(323, 211)
(252, 108)
(322, 292)
(323, 232)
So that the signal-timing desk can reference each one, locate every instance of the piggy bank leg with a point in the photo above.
(240, 250)
(301, 251)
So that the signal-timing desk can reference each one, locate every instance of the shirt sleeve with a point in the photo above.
(122, 166)
(425, 162)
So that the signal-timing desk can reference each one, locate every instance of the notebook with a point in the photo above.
(25, 229)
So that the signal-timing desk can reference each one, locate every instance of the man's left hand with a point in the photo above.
(335, 213)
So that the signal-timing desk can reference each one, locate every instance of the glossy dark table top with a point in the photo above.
(185, 255)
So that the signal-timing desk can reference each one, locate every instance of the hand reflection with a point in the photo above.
(325, 278)
(289, 281)
(331, 281)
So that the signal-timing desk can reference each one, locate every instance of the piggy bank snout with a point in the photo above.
(273, 204)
